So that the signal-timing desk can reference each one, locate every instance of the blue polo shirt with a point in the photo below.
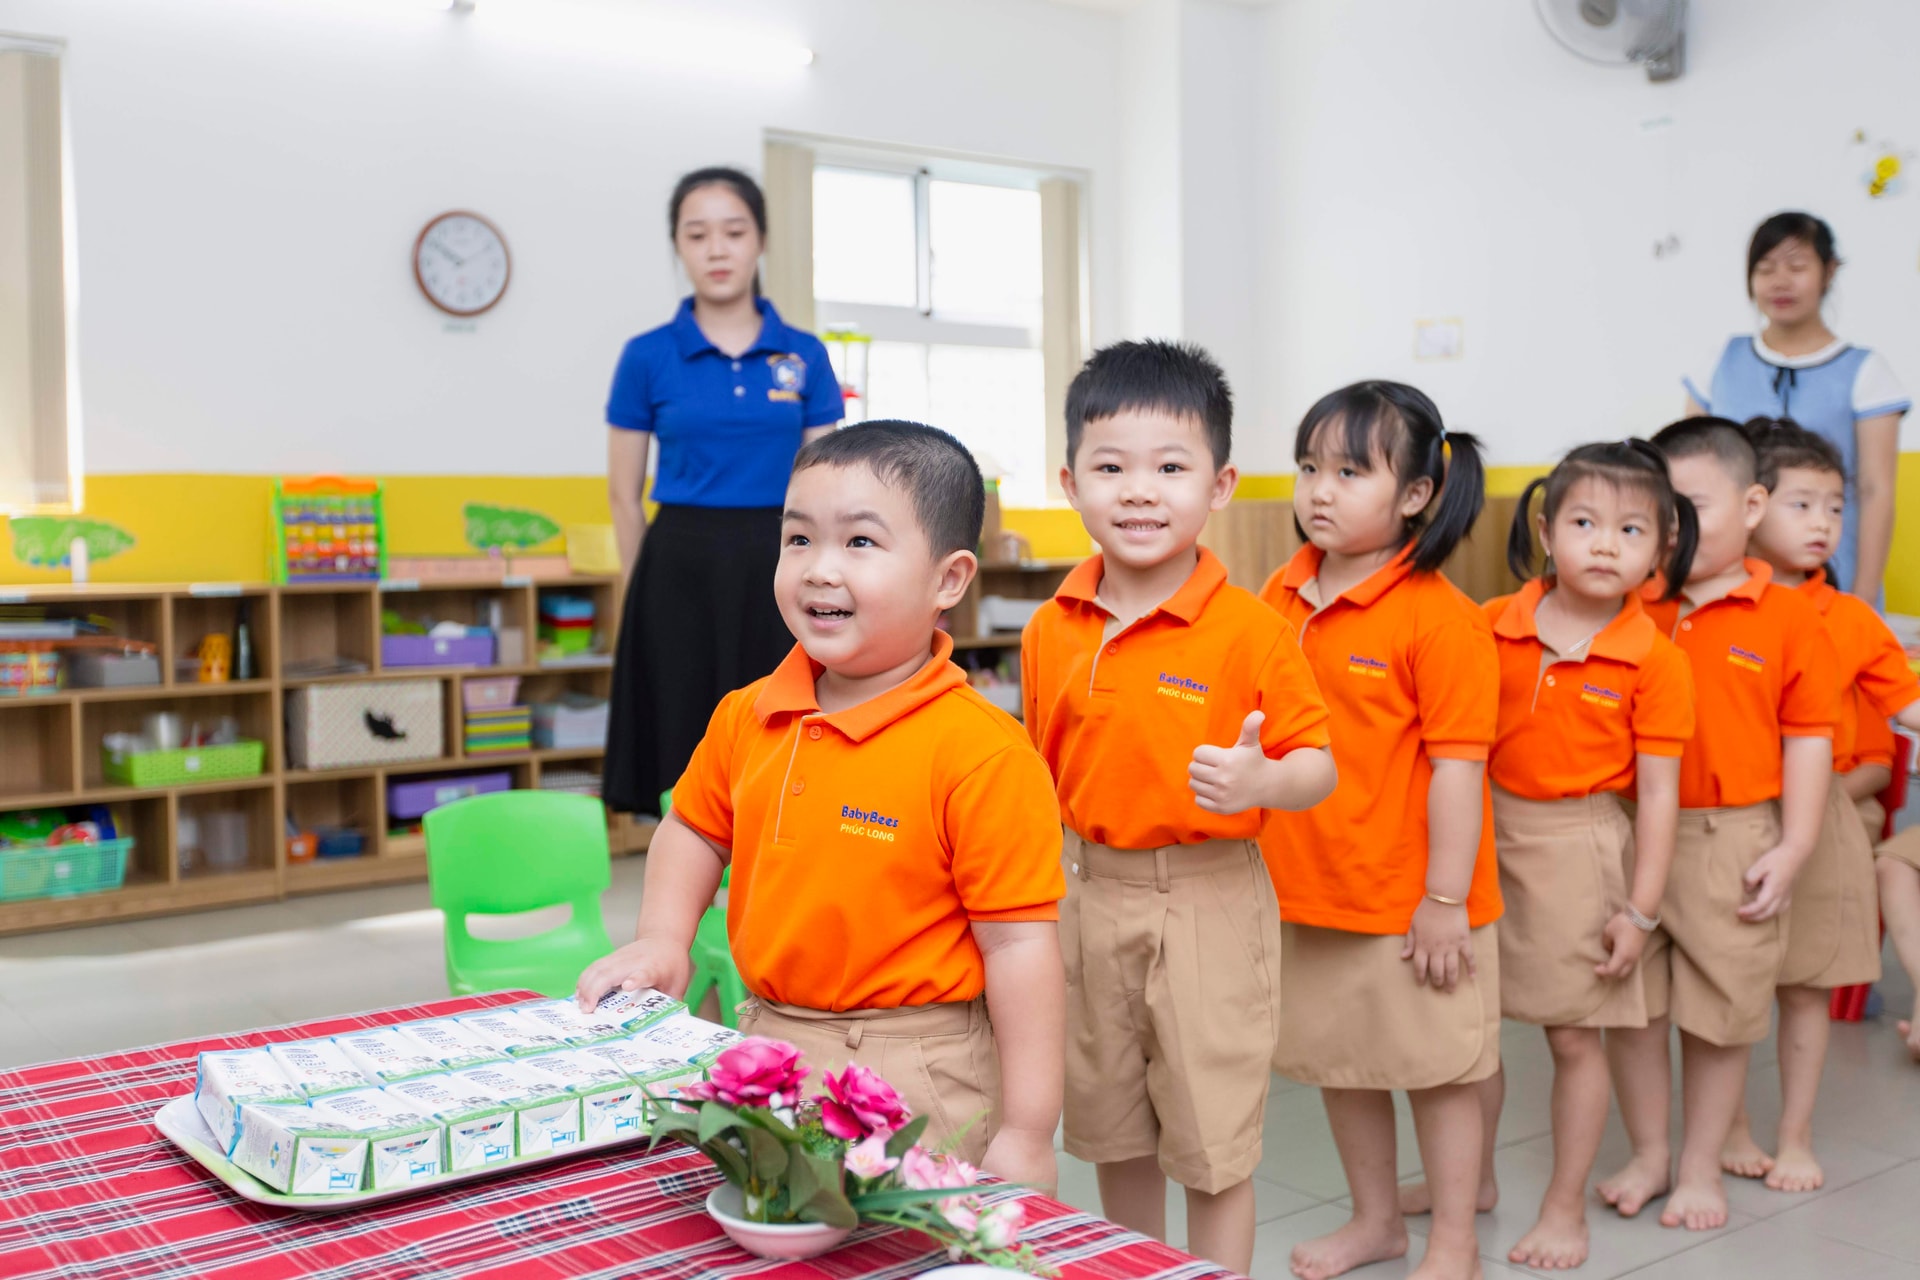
(728, 427)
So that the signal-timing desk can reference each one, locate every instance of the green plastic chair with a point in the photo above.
(712, 958)
(517, 851)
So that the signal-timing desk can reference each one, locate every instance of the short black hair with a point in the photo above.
(1782, 443)
(942, 480)
(1724, 440)
(1792, 224)
(1174, 377)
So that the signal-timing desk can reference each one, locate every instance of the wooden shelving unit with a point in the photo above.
(50, 745)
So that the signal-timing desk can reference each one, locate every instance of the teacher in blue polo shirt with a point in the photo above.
(729, 393)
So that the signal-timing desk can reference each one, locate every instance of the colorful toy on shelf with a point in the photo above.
(566, 625)
(328, 529)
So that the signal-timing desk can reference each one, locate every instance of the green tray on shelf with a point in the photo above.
(183, 765)
(62, 870)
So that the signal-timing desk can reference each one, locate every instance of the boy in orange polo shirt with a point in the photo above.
(895, 857)
(1174, 710)
(1753, 789)
(1835, 938)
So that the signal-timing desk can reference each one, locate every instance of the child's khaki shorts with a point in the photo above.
(940, 1057)
(1904, 847)
(1173, 990)
(1873, 816)
(1565, 866)
(1835, 938)
(1354, 1018)
(1719, 982)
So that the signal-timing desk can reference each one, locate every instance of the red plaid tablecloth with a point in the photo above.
(89, 1188)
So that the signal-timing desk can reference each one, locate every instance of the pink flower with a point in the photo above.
(869, 1159)
(961, 1214)
(861, 1104)
(956, 1172)
(921, 1171)
(999, 1227)
(754, 1073)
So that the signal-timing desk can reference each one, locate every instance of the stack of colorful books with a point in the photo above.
(498, 730)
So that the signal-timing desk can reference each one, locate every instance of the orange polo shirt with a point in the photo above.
(1763, 669)
(1117, 716)
(1873, 744)
(1573, 727)
(1876, 682)
(867, 841)
(1407, 666)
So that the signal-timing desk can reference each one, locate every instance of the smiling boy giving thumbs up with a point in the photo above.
(1174, 710)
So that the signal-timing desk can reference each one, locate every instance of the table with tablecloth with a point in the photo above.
(90, 1188)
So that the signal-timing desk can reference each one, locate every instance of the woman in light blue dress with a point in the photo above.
(1796, 368)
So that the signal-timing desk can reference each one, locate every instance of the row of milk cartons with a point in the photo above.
(395, 1106)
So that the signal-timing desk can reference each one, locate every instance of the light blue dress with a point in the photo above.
(1825, 391)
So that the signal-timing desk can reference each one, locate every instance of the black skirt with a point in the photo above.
(699, 621)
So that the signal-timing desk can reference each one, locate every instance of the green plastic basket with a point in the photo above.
(187, 764)
(60, 871)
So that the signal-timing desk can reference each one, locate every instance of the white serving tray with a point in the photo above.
(180, 1121)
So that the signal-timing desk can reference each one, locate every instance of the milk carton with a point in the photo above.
(456, 1046)
(546, 1112)
(656, 1074)
(230, 1078)
(317, 1066)
(404, 1147)
(612, 1106)
(618, 1015)
(384, 1055)
(511, 1032)
(688, 1038)
(299, 1151)
(480, 1127)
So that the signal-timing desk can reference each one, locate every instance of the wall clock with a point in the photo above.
(461, 263)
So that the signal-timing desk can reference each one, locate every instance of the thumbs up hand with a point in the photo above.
(1229, 779)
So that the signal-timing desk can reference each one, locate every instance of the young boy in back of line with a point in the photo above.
(1173, 709)
(895, 856)
(1753, 790)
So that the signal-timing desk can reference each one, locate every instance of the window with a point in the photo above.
(944, 276)
(39, 435)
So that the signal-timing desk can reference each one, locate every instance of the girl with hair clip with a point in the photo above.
(1594, 704)
(1388, 889)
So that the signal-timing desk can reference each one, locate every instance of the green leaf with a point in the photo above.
(495, 528)
(731, 1164)
(908, 1197)
(766, 1152)
(715, 1119)
(908, 1134)
(815, 1194)
(761, 1118)
(47, 541)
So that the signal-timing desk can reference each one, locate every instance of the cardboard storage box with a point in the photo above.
(339, 726)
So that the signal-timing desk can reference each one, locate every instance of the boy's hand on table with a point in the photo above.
(1023, 1156)
(644, 962)
(1227, 779)
(1769, 883)
(1624, 941)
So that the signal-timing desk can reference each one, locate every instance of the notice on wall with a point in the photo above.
(1439, 339)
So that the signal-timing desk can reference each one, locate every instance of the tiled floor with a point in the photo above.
(116, 986)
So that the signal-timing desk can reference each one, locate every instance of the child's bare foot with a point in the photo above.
(1416, 1199)
(1697, 1206)
(1796, 1170)
(1449, 1262)
(1354, 1245)
(1557, 1241)
(1742, 1156)
(1639, 1180)
(1910, 1032)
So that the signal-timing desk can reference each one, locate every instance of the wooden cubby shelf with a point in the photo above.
(50, 745)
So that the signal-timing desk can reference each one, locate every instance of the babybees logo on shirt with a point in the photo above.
(1746, 659)
(1599, 695)
(1361, 665)
(871, 823)
(1172, 686)
(789, 377)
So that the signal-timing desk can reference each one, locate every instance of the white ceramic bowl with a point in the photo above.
(780, 1241)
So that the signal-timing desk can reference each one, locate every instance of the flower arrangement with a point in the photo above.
(840, 1158)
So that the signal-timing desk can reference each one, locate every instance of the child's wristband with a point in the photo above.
(1645, 924)
(1444, 900)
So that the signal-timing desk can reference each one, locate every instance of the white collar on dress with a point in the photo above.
(1780, 360)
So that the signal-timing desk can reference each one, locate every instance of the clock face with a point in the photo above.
(461, 263)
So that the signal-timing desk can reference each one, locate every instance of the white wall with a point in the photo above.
(1420, 159)
(250, 175)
